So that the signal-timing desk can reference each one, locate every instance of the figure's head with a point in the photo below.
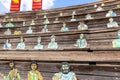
(39, 40)
(45, 26)
(52, 38)
(7, 40)
(21, 39)
(33, 21)
(64, 24)
(34, 66)
(65, 67)
(81, 23)
(74, 12)
(56, 19)
(11, 64)
(81, 36)
(118, 34)
(110, 11)
(111, 19)
(30, 28)
(8, 29)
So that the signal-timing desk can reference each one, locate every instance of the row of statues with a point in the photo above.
(80, 43)
(35, 74)
(81, 26)
(110, 13)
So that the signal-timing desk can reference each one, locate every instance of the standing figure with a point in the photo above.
(65, 73)
(34, 74)
(45, 29)
(13, 73)
(52, 44)
(81, 43)
(64, 28)
(112, 23)
(21, 44)
(9, 25)
(23, 23)
(116, 42)
(8, 32)
(38, 46)
(7, 44)
(29, 31)
(82, 26)
(111, 13)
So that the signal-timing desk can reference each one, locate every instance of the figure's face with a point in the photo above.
(111, 19)
(39, 40)
(65, 69)
(29, 27)
(34, 67)
(11, 65)
(110, 11)
(64, 24)
(81, 36)
(53, 40)
(81, 23)
(7, 41)
(21, 40)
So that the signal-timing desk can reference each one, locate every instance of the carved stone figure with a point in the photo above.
(45, 29)
(38, 46)
(82, 42)
(111, 13)
(89, 16)
(64, 28)
(52, 44)
(65, 73)
(7, 44)
(13, 73)
(34, 74)
(9, 25)
(8, 32)
(29, 31)
(21, 44)
(82, 26)
(116, 42)
(112, 23)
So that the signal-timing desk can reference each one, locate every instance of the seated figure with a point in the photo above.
(46, 21)
(17, 32)
(8, 32)
(116, 42)
(111, 13)
(64, 28)
(29, 31)
(21, 44)
(73, 16)
(13, 73)
(9, 24)
(88, 16)
(7, 45)
(33, 22)
(56, 20)
(34, 74)
(81, 43)
(23, 23)
(112, 23)
(38, 46)
(1, 25)
(82, 26)
(45, 29)
(65, 73)
(52, 44)
(99, 9)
